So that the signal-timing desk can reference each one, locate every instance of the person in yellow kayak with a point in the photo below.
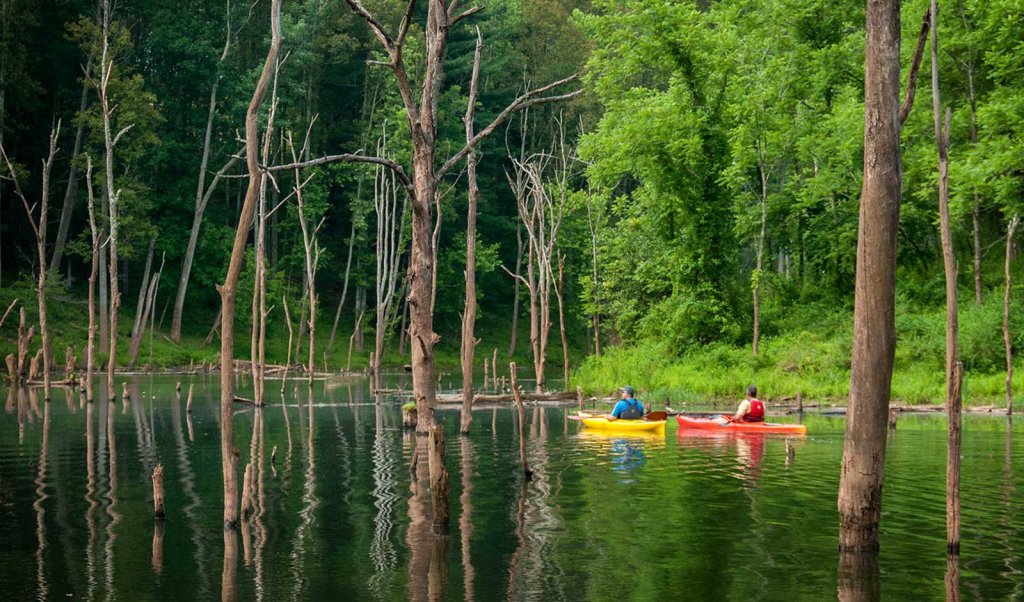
(627, 408)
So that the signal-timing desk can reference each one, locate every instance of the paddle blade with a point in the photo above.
(655, 416)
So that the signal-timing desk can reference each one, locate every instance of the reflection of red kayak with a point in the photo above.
(685, 422)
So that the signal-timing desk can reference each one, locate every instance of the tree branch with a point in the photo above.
(915, 66)
(463, 15)
(374, 24)
(403, 29)
(351, 158)
(524, 101)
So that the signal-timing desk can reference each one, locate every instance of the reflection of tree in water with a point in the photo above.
(466, 518)
(41, 496)
(187, 479)
(115, 516)
(382, 550)
(532, 572)
(310, 502)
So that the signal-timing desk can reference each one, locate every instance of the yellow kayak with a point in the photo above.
(600, 422)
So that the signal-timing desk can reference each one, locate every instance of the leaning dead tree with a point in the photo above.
(203, 192)
(38, 225)
(422, 187)
(391, 222)
(229, 288)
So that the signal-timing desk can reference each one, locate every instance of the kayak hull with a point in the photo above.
(686, 422)
(622, 426)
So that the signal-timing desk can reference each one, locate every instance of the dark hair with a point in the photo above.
(752, 391)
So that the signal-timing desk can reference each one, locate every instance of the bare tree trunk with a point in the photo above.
(518, 398)
(147, 308)
(228, 289)
(139, 326)
(344, 286)
(1011, 229)
(954, 369)
(94, 237)
(759, 250)
(38, 226)
(874, 336)
(515, 294)
(104, 283)
(312, 252)
(71, 191)
(469, 340)
(390, 244)
(291, 332)
(561, 322)
(595, 318)
(109, 142)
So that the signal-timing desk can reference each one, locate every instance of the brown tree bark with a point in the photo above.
(1011, 229)
(954, 369)
(38, 226)
(469, 340)
(229, 288)
(874, 336)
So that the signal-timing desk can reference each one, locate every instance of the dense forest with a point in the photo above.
(691, 217)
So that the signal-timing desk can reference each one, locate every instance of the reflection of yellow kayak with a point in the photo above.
(601, 439)
(623, 426)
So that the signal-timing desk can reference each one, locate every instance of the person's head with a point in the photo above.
(628, 392)
(751, 391)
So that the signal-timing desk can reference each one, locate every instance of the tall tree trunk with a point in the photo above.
(344, 286)
(109, 142)
(561, 322)
(515, 295)
(469, 340)
(104, 281)
(94, 237)
(312, 253)
(954, 369)
(38, 226)
(595, 318)
(874, 335)
(759, 251)
(71, 191)
(147, 308)
(228, 289)
(1011, 229)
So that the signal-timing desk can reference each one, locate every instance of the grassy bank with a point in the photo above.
(812, 357)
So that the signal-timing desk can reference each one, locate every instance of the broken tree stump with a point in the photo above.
(439, 485)
(158, 492)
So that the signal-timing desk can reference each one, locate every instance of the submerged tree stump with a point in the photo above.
(518, 397)
(158, 492)
(188, 403)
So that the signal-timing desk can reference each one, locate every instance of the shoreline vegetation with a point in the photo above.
(807, 355)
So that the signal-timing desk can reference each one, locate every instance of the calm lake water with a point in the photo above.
(605, 517)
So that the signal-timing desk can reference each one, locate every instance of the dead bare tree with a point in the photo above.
(954, 369)
(149, 301)
(1011, 229)
(70, 192)
(230, 286)
(94, 238)
(139, 326)
(390, 247)
(112, 195)
(203, 192)
(469, 340)
(38, 225)
(312, 252)
(592, 225)
(422, 187)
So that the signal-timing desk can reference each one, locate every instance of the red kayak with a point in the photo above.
(686, 422)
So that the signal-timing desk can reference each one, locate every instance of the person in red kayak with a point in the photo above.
(751, 409)
(627, 408)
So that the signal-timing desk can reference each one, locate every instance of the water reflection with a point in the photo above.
(90, 498)
(858, 577)
(187, 479)
(112, 512)
(466, 518)
(229, 572)
(952, 579)
(310, 503)
(382, 551)
(419, 536)
(41, 496)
